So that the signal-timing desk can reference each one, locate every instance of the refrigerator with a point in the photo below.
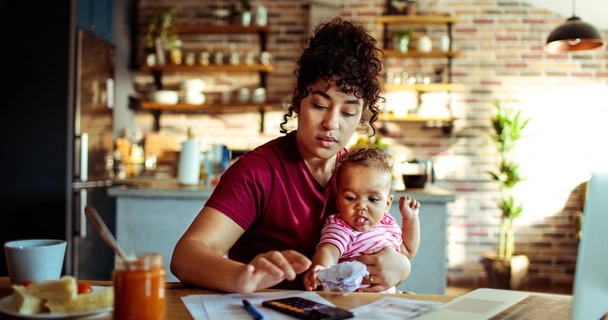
(57, 131)
(93, 170)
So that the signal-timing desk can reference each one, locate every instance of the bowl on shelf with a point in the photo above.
(193, 84)
(194, 97)
(415, 181)
(165, 96)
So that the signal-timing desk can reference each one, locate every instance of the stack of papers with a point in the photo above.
(230, 306)
(394, 308)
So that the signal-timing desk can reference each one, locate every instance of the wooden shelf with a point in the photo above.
(423, 87)
(416, 19)
(206, 107)
(220, 29)
(417, 54)
(159, 71)
(210, 68)
(411, 118)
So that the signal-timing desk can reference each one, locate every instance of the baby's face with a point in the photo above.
(363, 196)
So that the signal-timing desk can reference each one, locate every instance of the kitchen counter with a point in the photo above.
(151, 215)
(170, 188)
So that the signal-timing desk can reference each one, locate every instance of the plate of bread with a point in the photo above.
(57, 299)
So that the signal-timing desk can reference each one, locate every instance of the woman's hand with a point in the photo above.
(311, 280)
(387, 268)
(269, 269)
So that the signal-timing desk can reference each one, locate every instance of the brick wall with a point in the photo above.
(501, 59)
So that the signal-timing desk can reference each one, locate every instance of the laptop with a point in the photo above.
(590, 293)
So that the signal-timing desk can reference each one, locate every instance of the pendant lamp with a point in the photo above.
(573, 35)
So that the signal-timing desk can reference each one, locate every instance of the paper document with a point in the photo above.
(230, 306)
(394, 308)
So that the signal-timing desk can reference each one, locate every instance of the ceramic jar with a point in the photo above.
(424, 44)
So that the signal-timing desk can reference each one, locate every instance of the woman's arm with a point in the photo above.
(198, 258)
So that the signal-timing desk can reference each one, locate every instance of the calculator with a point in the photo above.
(307, 309)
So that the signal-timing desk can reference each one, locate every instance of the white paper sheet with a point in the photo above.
(230, 306)
(195, 307)
(394, 308)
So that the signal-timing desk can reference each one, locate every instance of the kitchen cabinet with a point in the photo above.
(388, 24)
(96, 17)
(158, 71)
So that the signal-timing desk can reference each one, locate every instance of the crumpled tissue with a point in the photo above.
(344, 276)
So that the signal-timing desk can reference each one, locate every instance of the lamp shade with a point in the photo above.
(573, 35)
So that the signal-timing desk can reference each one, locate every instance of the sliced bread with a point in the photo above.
(85, 302)
(25, 303)
(62, 289)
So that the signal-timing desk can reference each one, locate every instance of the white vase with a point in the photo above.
(444, 43)
(424, 44)
(261, 15)
(246, 18)
(402, 44)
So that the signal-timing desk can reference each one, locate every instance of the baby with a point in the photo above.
(363, 222)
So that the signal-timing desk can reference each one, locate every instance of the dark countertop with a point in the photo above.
(170, 188)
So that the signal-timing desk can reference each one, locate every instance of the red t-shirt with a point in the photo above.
(270, 193)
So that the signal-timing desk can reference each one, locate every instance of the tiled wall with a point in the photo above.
(501, 59)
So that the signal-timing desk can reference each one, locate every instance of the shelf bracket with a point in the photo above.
(448, 127)
(262, 114)
(156, 125)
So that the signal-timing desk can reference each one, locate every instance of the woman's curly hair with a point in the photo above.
(343, 49)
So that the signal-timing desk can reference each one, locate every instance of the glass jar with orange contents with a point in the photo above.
(139, 288)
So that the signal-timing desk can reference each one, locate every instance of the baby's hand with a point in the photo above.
(409, 207)
(311, 280)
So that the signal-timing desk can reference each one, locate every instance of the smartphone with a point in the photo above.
(307, 309)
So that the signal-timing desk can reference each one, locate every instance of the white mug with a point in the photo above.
(34, 260)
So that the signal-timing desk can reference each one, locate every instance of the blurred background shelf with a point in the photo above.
(220, 29)
(412, 118)
(417, 19)
(418, 54)
(423, 87)
(197, 68)
(206, 107)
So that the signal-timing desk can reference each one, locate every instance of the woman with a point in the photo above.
(269, 207)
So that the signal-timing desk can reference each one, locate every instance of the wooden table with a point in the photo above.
(176, 310)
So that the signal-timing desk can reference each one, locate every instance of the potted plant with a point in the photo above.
(401, 39)
(504, 268)
(160, 36)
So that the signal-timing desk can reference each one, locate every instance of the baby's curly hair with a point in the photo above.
(371, 157)
(343, 49)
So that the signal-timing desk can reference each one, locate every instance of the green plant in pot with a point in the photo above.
(505, 269)
(160, 29)
(401, 39)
